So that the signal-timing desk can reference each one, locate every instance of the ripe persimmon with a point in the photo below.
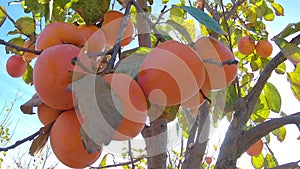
(134, 105)
(66, 143)
(246, 45)
(111, 25)
(95, 38)
(208, 160)
(30, 45)
(264, 48)
(51, 75)
(256, 148)
(16, 66)
(47, 114)
(214, 53)
(196, 101)
(59, 33)
(171, 73)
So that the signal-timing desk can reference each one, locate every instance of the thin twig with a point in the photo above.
(130, 154)
(19, 48)
(29, 138)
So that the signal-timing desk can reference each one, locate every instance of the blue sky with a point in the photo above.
(27, 124)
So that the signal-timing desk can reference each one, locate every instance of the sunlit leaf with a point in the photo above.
(103, 161)
(290, 50)
(231, 98)
(2, 15)
(183, 123)
(280, 133)
(26, 25)
(257, 161)
(18, 41)
(279, 10)
(27, 77)
(164, 1)
(176, 14)
(270, 161)
(180, 29)
(269, 15)
(294, 79)
(289, 30)
(203, 18)
(281, 68)
(273, 97)
(261, 110)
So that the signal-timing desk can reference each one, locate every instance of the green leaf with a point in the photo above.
(18, 41)
(269, 15)
(281, 68)
(176, 14)
(91, 10)
(2, 15)
(164, 1)
(231, 98)
(290, 50)
(103, 161)
(294, 79)
(289, 30)
(203, 18)
(183, 123)
(25, 25)
(150, 2)
(261, 110)
(279, 10)
(180, 29)
(27, 77)
(280, 133)
(270, 161)
(273, 97)
(258, 161)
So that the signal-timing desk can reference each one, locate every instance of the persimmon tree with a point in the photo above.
(124, 68)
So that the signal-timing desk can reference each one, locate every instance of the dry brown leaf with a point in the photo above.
(39, 143)
(27, 107)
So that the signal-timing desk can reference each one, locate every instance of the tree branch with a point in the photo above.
(293, 165)
(251, 136)
(18, 48)
(29, 138)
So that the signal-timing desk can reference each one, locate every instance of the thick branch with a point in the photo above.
(255, 133)
(234, 8)
(19, 48)
(29, 138)
(293, 165)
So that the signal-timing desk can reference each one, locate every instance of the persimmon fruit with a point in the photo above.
(208, 160)
(59, 33)
(95, 38)
(214, 54)
(51, 75)
(66, 143)
(30, 45)
(171, 73)
(256, 148)
(111, 25)
(246, 45)
(196, 101)
(134, 105)
(264, 48)
(16, 66)
(47, 114)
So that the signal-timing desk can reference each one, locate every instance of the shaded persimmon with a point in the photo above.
(133, 103)
(59, 33)
(47, 114)
(95, 38)
(66, 143)
(256, 148)
(51, 75)
(196, 101)
(16, 66)
(111, 25)
(216, 57)
(246, 45)
(264, 48)
(171, 73)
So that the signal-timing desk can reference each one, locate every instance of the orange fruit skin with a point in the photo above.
(171, 73)
(16, 66)
(51, 75)
(66, 143)
(264, 48)
(95, 38)
(134, 105)
(59, 33)
(246, 45)
(47, 114)
(219, 77)
(27, 55)
(208, 160)
(255, 149)
(111, 26)
(196, 101)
